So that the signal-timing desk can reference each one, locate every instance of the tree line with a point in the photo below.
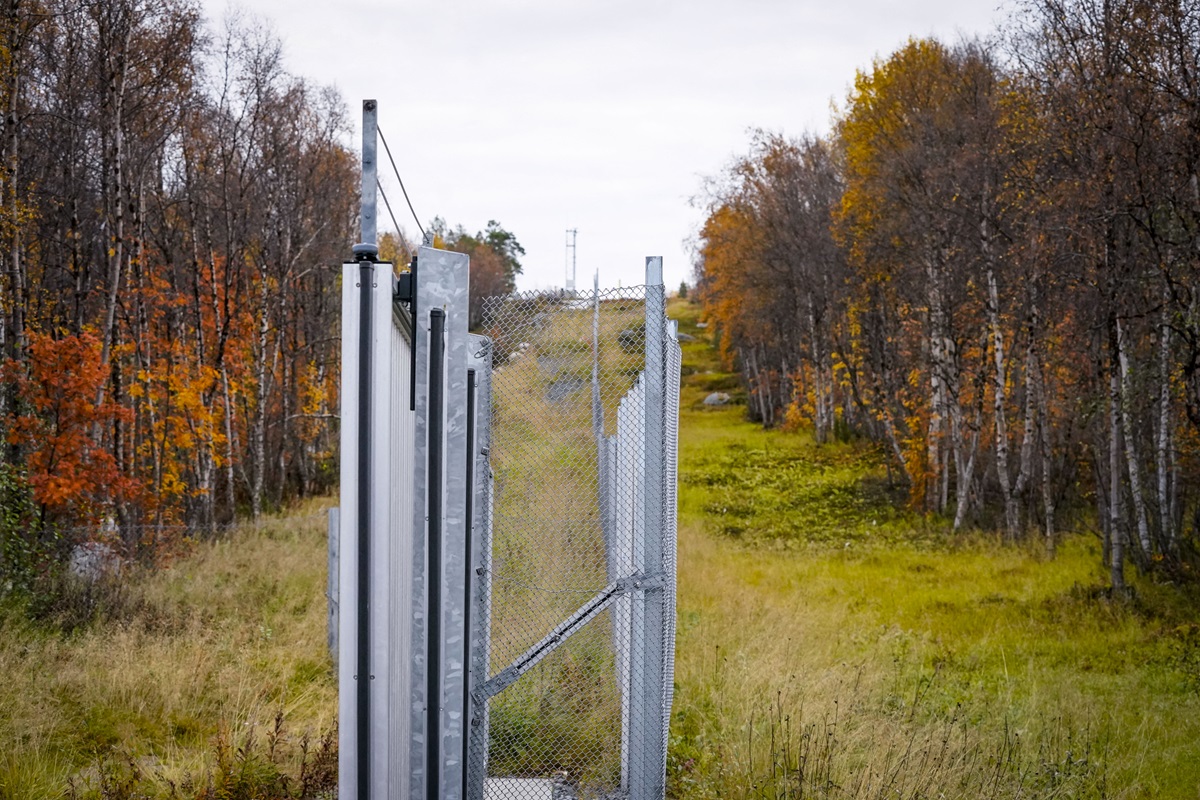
(173, 203)
(174, 209)
(989, 266)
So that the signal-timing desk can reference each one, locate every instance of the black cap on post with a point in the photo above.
(366, 251)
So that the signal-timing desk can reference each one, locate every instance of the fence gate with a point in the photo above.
(507, 538)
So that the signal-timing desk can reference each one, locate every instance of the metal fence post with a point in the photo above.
(479, 576)
(437, 698)
(647, 776)
(673, 365)
(629, 628)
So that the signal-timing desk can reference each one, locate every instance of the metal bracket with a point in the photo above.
(403, 288)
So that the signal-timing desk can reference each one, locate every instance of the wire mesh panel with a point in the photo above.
(580, 594)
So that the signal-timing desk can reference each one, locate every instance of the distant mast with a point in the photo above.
(571, 233)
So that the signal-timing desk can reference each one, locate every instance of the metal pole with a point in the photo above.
(365, 253)
(370, 170)
(363, 672)
(480, 555)
(647, 772)
(433, 709)
(469, 577)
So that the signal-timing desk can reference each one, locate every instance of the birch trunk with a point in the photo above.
(952, 383)
(937, 389)
(819, 422)
(10, 197)
(1047, 456)
(285, 432)
(999, 401)
(1025, 468)
(966, 472)
(1166, 523)
(769, 403)
(258, 428)
(1116, 536)
(966, 479)
(1131, 455)
(230, 488)
(114, 192)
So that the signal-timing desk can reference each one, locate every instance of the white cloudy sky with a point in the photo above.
(599, 116)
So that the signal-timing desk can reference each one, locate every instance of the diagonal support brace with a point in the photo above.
(565, 629)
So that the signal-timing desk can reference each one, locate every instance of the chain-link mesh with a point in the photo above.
(570, 569)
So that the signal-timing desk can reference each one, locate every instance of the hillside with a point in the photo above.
(829, 645)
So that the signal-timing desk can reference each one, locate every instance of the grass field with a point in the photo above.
(212, 675)
(829, 646)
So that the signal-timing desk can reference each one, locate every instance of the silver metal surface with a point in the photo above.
(397, 558)
(348, 516)
(481, 562)
(370, 170)
(560, 687)
(392, 568)
(442, 284)
(647, 764)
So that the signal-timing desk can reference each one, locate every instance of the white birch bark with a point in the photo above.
(258, 428)
(1161, 459)
(1116, 535)
(999, 400)
(966, 482)
(819, 422)
(937, 389)
(115, 195)
(1025, 468)
(1131, 455)
(966, 472)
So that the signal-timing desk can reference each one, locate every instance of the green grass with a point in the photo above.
(829, 646)
(832, 646)
(191, 667)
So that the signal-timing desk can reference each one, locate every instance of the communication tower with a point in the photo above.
(571, 233)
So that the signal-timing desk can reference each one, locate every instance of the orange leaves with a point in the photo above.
(71, 473)
(727, 238)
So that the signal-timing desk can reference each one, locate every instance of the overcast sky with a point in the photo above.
(600, 116)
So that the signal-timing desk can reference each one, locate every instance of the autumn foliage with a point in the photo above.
(174, 209)
(70, 475)
(989, 267)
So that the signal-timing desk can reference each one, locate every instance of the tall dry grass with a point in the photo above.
(211, 648)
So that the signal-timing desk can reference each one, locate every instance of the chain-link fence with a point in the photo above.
(580, 568)
(505, 543)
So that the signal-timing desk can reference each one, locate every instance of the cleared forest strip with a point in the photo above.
(899, 657)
